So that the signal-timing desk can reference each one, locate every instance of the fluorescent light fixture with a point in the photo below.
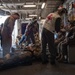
(33, 15)
(1, 5)
(43, 5)
(29, 5)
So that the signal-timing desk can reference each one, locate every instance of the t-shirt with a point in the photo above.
(52, 22)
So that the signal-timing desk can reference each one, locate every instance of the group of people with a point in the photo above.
(66, 38)
(51, 26)
(6, 33)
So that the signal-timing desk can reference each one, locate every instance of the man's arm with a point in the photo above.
(28, 27)
(10, 25)
(57, 24)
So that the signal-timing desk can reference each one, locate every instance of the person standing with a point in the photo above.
(7, 33)
(51, 25)
(31, 29)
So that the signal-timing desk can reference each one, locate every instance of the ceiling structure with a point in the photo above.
(17, 6)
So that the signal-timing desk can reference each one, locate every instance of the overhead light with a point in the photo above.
(39, 17)
(30, 3)
(29, 6)
(43, 5)
(33, 15)
(1, 5)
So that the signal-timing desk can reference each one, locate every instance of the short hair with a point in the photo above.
(63, 10)
(16, 14)
(34, 18)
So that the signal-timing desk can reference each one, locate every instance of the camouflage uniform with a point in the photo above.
(7, 35)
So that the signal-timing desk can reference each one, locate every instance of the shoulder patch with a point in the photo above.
(50, 17)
